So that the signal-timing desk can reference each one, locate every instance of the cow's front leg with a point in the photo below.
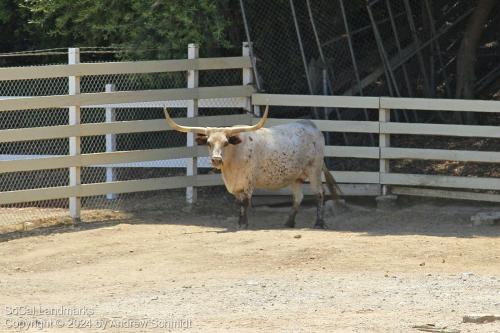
(244, 201)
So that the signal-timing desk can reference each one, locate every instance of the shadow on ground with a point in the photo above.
(412, 216)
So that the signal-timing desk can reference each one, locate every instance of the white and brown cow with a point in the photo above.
(251, 157)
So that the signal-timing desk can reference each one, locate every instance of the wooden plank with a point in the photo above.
(440, 181)
(141, 155)
(130, 67)
(330, 125)
(50, 193)
(150, 184)
(44, 163)
(352, 151)
(439, 129)
(441, 154)
(58, 162)
(425, 192)
(347, 190)
(224, 103)
(140, 126)
(136, 96)
(436, 104)
(355, 177)
(129, 186)
(136, 126)
(316, 101)
(38, 133)
(164, 94)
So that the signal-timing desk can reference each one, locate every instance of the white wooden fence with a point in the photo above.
(352, 182)
(190, 97)
(405, 184)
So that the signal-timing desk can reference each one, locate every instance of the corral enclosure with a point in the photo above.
(94, 145)
(91, 133)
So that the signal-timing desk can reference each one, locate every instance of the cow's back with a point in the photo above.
(285, 153)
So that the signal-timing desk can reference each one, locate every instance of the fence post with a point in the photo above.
(384, 115)
(192, 111)
(74, 142)
(110, 143)
(248, 79)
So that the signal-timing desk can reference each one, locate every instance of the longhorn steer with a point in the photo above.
(251, 157)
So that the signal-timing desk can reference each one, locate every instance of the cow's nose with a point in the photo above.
(216, 160)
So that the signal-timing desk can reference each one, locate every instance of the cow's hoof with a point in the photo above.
(243, 226)
(320, 225)
(290, 224)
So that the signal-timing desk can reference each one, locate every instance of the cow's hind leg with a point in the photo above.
(297, 199)
(317, 187)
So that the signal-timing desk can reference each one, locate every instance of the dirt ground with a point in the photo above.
(165, 268)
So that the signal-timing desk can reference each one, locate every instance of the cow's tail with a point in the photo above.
(332, 185)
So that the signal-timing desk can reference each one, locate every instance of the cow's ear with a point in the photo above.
(234, 140)
(201, 139)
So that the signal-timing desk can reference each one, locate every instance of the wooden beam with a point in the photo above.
(135, 126)
(135, 96)
(426, 192)
(441, 154)
(437, 104)
(316, 101)
(352, 151)
(128, 186)
(129, 67)
(440, 181)
(348, 126)
(440, 129)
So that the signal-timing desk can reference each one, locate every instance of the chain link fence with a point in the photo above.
(399, 48)
(350, 47)
(112, 206)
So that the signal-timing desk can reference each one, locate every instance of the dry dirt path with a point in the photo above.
(373, 272)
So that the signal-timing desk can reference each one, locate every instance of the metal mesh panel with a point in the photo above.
(341, 47)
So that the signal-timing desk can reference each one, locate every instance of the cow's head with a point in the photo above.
(217, 138)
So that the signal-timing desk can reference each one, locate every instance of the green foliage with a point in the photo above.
(138, 24)
(13, 26)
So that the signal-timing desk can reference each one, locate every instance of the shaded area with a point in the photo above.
(217, 209)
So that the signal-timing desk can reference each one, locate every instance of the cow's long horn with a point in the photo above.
(238, 129)
(185, 129)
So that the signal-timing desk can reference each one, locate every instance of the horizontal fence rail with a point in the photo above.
(316, 101)
(128, 186)
(93, 99)
(434, 104)
(439, 129)
(132, 67)
(133, 126)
